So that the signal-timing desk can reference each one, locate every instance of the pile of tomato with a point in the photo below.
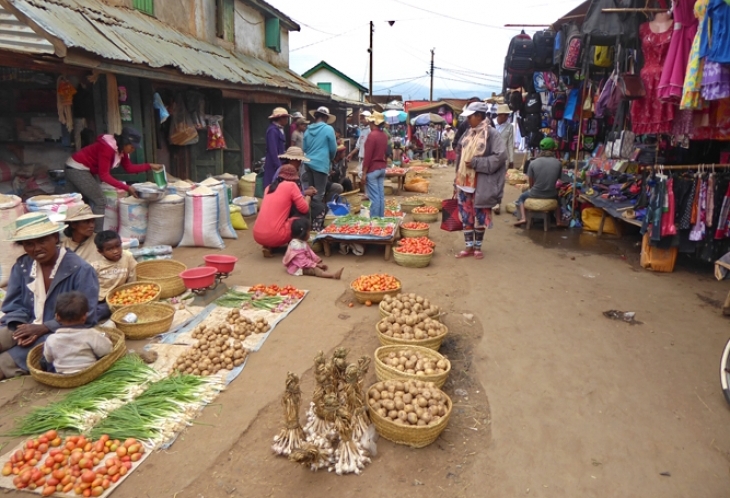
(137, 294)
(76, 464)
(378, 282)
(393, 214)
(396, 171)
(275, 290)
(425, 210)
(360, 229)
(415, 245)
(415, 225)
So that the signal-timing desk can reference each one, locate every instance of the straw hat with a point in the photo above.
(80, 213)
(377, 118)
(302, 121)
(289, 173)
(280, 112)
(32, 226)
(294, 154)
(297, 114)
(503, 109)
(323, 110)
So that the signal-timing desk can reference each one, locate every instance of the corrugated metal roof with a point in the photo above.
(17, 37)
(129, 36)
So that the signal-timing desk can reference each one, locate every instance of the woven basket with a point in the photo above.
(385, 314)
(385, 372)
(165, 273)
(430, 343)
(426, 218)
(157, 319)
(328, 220)
(388, 189)
(67, 381)
(541, 204)
(407, 207)
(354, 199)
(114, 308)
(408, 232)
(433, 203)
(412, 260)
(375, 297)
(413, 436)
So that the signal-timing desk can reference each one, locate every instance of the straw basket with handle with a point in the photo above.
(131, 285)
(387, 372)
(152, 319)
(413, 436)
(67, 381)
(165, 273)
(354, 199)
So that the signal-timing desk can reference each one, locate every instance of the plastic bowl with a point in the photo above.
(199, 278)
(221, 262)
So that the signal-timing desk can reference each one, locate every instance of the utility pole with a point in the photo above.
(370, 50)
(430, 98)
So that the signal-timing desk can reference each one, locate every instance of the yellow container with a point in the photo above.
(655, 259)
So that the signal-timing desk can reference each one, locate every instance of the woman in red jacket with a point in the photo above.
(98, 159)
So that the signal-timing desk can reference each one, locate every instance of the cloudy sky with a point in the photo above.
(468, 36)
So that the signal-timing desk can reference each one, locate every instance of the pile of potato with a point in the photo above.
(407, 303)
(415, 363)
(412, 403)
(416, 326)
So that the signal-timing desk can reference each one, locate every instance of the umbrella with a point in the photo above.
(426, 119)
(394, 105)
(395, 117)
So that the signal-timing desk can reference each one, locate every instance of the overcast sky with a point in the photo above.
(468, 36)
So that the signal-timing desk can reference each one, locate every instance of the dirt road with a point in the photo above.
(555, 399)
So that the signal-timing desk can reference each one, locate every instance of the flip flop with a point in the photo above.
(520, 223)
(464, 254)
(478, 255)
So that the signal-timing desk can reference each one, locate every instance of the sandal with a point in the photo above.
(478, 255)
(464, 254)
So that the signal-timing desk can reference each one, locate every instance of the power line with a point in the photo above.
(469, 73)
(400, 84)
(326, 39)
(456, 18)
(410, 78)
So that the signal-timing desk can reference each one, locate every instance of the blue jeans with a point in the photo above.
(375, 186)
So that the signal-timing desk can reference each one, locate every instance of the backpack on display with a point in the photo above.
(573, 48)
(512, 80)
(520, 55)
(604, 28)
(533, 103)
(544, 42)
(515, 101)
(533, 122)
(559, 46)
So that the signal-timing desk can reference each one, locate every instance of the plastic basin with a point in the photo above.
(199, 278)
(221, 262)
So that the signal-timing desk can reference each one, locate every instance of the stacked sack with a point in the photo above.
(166, 221)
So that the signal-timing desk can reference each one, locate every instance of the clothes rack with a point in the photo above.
(707, 167)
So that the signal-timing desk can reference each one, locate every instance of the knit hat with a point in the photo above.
(289, 173)
(548, 143)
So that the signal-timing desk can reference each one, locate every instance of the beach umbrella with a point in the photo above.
(395, 117)
(427, 119)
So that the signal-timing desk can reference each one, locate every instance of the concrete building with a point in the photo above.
(335, 82)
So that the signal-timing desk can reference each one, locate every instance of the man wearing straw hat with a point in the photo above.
(275, 143)
(37, 279)
(320, 146)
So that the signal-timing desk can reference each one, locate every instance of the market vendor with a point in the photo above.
(37, 279)
(543, 175)
(283, 203)
(98, 160)
(79, 234)
(275, 143)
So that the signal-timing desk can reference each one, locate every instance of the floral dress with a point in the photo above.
(650, 115)
(692, 97)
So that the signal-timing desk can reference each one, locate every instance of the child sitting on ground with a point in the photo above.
(73, 347)
(115, 268)
(300, 259)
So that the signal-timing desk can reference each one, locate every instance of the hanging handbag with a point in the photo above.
(450, 219)
(630, 84)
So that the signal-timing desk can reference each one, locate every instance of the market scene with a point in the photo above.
(520, 256)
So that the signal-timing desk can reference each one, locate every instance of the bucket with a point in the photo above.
(248, 205)
(160, 177)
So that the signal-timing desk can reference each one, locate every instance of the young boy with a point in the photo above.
(74, 347)
(115, 268)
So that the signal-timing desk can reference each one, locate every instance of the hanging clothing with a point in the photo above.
(723, 224)
(668, 227)
(715, 81)
(675, 65)
(691, 96)
(715, 42)
(650, 115)
(710, 199)
(698, 230)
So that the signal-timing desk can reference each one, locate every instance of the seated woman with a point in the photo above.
(37, 279)
(283, 202)
(79, 234)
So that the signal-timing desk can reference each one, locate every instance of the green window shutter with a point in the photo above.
(273, 34)
(146, 6)
(327, 87)
(224, 22)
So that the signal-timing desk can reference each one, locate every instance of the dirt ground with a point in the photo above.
(553, 400)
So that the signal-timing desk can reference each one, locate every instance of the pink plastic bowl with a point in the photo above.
(221, 262)
(199, 278)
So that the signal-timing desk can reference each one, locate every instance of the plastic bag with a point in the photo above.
(592, 221)
(215, 133)
(417, 185)
(182, 127)
(237, 219)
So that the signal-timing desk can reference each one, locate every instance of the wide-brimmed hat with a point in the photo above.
(366, 113)
(294, 154)
(377, 118)
(503, 109)
(289, 173)
(302, 121)
(297, 114)
(475, 107)
(323, 110)
(32, 226)
(280, 112)
(80, 213)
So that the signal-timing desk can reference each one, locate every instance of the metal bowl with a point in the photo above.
(149, 194)
(57, 174)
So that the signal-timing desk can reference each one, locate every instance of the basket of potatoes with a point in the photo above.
(411, 363)
(407, 303)
(413, 413)
(411, 330)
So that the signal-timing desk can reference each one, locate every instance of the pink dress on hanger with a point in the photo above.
(650, 115)
(675, 66)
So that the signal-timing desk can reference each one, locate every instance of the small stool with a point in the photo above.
(540, 208)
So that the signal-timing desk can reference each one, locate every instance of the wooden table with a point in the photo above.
(388, 243)
(607, 210)
(401, 179)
